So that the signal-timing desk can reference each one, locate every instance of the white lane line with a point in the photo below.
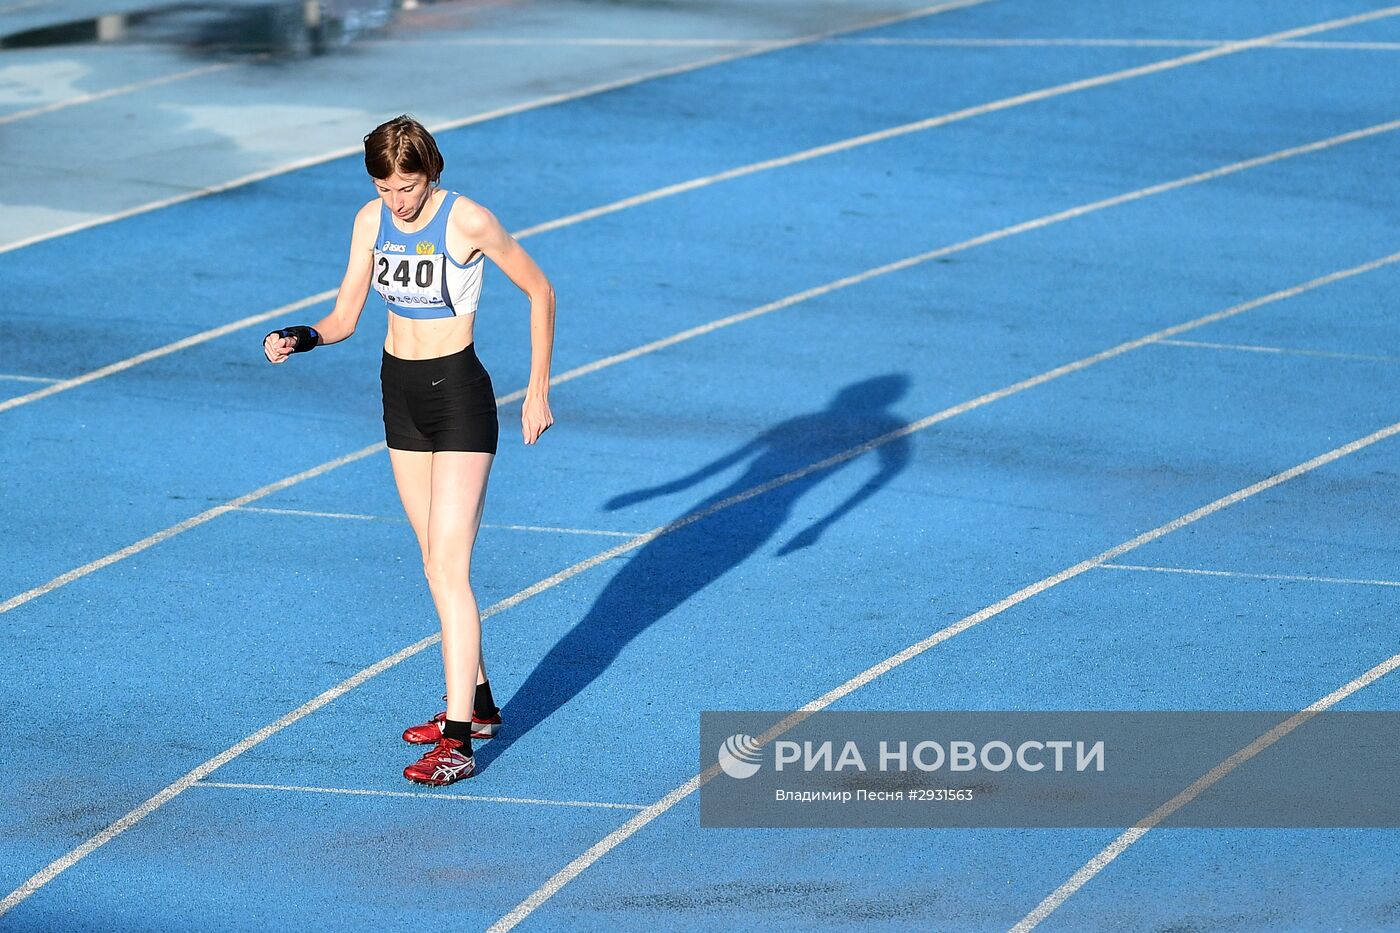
(64, 104)
(1004, 232)
(1120, 845)
(781, 303)
(1323, 45)
(805, 155)
(17, 378)
(928, 123)
(306, 513)
(538, 102)
(995, 43)
(576, 41)
(63, 863)
(404, 793)
(63, 385)
(636, 823)
(1332, 45)
(828, 288)
(1250, 348)
(1300, 578)
(547, 529)
(195, 521)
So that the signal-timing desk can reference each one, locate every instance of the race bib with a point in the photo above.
(410, 281)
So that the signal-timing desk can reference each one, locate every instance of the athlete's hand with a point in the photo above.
(535, 418)
(276, 348)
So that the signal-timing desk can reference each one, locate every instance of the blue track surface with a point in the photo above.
(170, 656)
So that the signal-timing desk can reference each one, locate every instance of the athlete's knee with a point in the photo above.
(446, 568)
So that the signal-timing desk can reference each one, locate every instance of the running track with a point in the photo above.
(1042, 232)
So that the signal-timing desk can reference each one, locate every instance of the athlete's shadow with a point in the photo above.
(671, 568)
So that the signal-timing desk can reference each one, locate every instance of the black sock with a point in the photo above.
(461, 731)
(484, 706)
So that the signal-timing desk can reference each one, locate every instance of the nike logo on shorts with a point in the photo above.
(443, 379)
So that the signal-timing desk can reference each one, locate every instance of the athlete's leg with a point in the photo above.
(458, 494)
(413, 473)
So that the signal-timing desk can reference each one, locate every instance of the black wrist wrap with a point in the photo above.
(306, 337)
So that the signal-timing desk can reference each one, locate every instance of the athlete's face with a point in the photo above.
(405, 195)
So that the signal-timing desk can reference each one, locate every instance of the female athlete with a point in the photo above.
(422, 249)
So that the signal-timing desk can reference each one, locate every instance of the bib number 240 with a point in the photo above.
(421, 273)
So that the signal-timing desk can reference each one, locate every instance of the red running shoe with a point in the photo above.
(428, 732)
(443, 764)
(485, 728)
(431, 730)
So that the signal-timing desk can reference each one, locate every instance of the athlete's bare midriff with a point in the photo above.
(413, 339)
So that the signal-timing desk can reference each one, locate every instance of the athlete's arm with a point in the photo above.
(354, 287)
(479, 227)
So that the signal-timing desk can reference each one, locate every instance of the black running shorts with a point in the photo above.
(445, 403)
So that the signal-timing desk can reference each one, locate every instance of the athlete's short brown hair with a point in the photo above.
(402, 145)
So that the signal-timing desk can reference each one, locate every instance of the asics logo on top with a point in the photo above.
(391, 247)
(739, 756)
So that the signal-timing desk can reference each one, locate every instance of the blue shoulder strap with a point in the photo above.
(438, 227)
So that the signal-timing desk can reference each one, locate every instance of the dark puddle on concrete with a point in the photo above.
(291, 28)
